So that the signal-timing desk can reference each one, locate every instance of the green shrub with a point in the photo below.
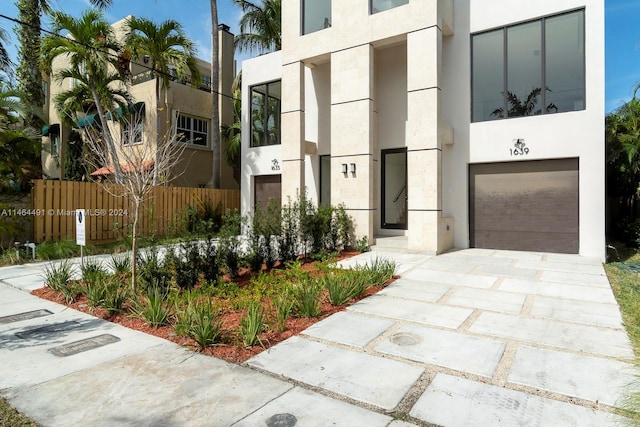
(306, 298)
(362, 245)
(210, 263)
(57, 276)
(252, 324)
(120, 264)
(96, 291)
(343, 285)
(153, 272)
(187, 267)
(378, 272)
(283, 305)
(57, 250)
(153, 308)
(116, 295)
(92, 270)
(198, 322)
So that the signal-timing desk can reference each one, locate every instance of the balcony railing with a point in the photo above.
(147, 75)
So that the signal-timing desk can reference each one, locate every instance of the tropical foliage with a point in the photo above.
(260, 26)
(93, 53)
(623, 163)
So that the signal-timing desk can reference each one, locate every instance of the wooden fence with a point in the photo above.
(109, 215)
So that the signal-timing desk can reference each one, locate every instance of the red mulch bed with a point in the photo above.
(231, 349)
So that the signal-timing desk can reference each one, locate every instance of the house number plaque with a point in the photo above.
(519, 148)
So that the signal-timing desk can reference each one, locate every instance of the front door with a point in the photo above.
(394, 189)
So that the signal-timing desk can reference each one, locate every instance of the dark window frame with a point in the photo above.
(303, 5)
(265, 138)
(186, 135)
(543, 64)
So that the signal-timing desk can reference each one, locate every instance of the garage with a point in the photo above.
(526, 206)
(267, 187)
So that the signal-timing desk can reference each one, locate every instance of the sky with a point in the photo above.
(622, 32)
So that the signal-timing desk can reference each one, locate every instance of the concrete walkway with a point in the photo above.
(473, 337)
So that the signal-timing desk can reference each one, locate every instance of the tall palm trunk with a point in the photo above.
(29, 76)
(215, 111)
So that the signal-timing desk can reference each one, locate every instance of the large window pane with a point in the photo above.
(488, 76)
(258, 95)
(273, 114)
(524, 69)
(265, 114)
(316, 15)
(325, 180)
(564, 44)
(380, 5)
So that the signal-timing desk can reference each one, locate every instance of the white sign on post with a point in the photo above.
(81, 223)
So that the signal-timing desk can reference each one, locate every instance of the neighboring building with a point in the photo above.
(192, 105)
(428, 119)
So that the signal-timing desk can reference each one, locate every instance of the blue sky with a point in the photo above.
(622, 36)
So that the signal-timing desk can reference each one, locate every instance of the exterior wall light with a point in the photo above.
(353, 168)
(344, 168)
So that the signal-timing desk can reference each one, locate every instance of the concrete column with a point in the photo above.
(292, 130)
(427, 229)
(352, 135)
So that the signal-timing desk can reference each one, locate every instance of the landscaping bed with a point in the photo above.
(232, 318)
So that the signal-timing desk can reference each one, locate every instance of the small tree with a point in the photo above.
(139, 162)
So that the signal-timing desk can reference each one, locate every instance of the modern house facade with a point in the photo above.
(188, 107)
(440, 121)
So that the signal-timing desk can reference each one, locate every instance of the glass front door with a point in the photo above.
(394, 189)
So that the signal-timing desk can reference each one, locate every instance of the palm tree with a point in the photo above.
(28, 71)
(164, 45)
(260, 26)
(622, 138)
(232, 132)
(91, 49)
(19, 145)
(4, 56)
(215, 89)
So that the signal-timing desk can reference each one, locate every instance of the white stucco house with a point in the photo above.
(453, 123)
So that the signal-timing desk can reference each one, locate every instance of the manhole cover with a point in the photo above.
(282, 420)
(405, 340)
(24, 316)
(83, 345)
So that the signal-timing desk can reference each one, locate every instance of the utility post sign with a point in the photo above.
(81, 227)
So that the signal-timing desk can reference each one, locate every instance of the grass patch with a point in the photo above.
(624, 275)
(9, 417)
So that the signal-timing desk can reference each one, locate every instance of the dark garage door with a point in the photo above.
(528, 206)
(267, 187)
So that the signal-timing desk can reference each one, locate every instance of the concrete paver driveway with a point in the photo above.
(473, 337)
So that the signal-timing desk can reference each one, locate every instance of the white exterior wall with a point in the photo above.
(411, 58)
(259, 160)
(571, 134)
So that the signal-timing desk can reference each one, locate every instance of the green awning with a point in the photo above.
(51, 129)
(117, 113)
(87, 120)
(137, 108)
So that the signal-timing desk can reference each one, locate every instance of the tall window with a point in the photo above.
(192, 130)
(528, 69)
(381, 5)
(265, 114)
(316, 15)
(325, 180)
(132, 132)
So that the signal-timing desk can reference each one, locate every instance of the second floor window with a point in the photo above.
(381, 5)
(316, 15)
(265, 114)
(529, 69)
(192, 130)
(131, 133)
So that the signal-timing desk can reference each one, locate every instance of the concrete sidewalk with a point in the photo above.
(468, 338)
